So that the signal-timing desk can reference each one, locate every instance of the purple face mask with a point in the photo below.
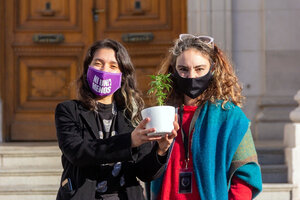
(103, 83)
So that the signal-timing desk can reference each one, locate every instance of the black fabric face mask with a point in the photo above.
(192, 87)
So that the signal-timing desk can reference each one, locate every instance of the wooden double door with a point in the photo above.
(44, 44)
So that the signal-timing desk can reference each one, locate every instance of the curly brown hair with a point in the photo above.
(224, 84)
(128, 97)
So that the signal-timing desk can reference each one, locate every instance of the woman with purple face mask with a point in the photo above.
(104, 143)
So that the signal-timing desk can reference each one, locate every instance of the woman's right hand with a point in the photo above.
(139, 134)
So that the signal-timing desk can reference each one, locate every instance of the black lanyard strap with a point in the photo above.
(185, 137)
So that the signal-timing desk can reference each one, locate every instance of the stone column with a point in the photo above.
(292, 150)
(211, 17)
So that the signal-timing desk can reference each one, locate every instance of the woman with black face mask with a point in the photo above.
(213, 156)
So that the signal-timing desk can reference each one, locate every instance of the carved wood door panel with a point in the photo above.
(45, 44)
(146, 27)
(46, 41)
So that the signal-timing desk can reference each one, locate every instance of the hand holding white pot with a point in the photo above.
(165, 142)
(140, 136)
(161, 119)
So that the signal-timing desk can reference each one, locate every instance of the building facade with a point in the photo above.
(261, 37)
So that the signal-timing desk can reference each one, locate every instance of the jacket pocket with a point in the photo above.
(64, 194)
(84, 192)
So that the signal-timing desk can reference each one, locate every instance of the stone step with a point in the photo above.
(29, 171)
(274, 173)
(28, 192)
(44, 154)
(32, 175)
(270, 152)
(272, 161)
(19, 178)
(270, 130)
(48, 192)
(276, 191)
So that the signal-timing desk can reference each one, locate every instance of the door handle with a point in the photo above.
(96, 13)
(48, 38)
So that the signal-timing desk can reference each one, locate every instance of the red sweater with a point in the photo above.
(239, 189)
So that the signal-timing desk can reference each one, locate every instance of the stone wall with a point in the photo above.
(282, 52)
(262, 37)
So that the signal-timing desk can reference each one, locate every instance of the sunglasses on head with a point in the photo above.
(203, 38)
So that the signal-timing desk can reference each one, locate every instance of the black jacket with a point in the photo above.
(83, 152)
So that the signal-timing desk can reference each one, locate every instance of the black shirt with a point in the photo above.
(111, 179)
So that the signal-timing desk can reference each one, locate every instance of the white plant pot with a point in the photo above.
(162, 118)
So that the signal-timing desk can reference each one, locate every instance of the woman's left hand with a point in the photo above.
(165, 142)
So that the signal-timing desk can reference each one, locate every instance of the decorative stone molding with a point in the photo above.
(295, 114)
(292, 150)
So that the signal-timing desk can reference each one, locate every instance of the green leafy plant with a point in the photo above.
(158, 86)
